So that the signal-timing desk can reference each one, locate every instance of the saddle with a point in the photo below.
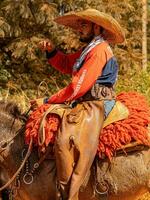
(119, 112)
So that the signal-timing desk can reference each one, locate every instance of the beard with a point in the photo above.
(86, 39)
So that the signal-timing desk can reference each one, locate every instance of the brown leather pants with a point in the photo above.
(76, 146)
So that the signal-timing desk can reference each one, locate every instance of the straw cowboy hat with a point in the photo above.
(112, 30)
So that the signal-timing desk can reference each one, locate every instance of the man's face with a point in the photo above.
(85, 30)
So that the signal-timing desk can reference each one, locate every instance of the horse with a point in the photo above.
(127, 176)
(3, 177)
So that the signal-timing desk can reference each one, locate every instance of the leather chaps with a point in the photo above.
(76, 146)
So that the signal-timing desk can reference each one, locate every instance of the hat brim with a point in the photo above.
(113, 31)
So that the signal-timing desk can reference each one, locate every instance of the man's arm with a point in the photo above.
(85, 77)
(62, 62)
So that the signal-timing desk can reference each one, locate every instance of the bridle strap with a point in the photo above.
(20, 168)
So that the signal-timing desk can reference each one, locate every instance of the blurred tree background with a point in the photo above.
(24, 72)
(148, 32)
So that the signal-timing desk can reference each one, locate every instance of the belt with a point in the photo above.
(97, 92)
(100, 92)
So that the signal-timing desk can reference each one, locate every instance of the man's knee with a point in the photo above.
(61, 139)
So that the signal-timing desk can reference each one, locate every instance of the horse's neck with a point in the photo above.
(13, 159)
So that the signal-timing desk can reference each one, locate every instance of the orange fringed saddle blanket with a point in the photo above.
(112, 137)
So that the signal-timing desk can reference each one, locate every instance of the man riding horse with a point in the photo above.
(90, 94)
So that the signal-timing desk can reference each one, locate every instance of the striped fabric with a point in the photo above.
(97, 40)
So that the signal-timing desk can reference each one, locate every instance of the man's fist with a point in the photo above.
(46, 45)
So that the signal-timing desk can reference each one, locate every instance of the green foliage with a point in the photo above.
(23, 23)
(135, 80)
(148, 31)
(4, 75)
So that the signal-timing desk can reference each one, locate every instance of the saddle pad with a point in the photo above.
(119, 112)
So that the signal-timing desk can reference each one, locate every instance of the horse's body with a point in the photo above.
(127, 176)
(3, 178)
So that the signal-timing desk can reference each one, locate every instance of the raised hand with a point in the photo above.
(46, 45)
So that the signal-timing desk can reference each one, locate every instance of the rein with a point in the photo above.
(20, 168)
(58, 109)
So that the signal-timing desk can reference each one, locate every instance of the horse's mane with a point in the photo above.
(10, 108)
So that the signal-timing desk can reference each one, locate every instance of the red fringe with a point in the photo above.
(123, 132)
(33, 124)
(112, 137)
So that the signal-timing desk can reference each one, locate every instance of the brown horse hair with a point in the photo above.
(11, 108)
